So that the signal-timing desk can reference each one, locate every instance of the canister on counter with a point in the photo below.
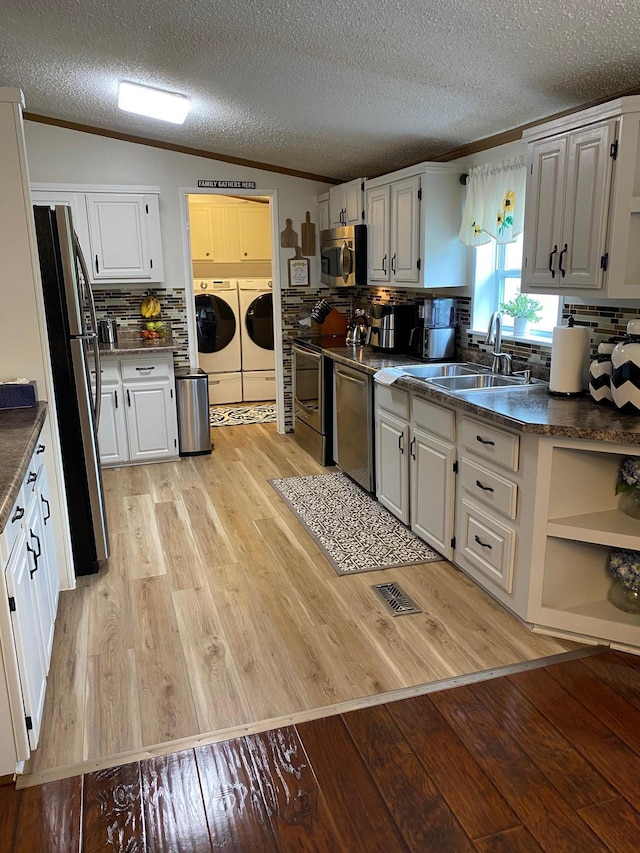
(625, 373)
(600, 373)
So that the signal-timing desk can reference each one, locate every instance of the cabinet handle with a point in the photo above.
(97, 266)
(18, 514)
(384, 264)
(411, 446)
(32, 477)
(393, 263)
(563, 271)
(401, 443)
(484, 488)
(48, 515)
(143, 369)
(551, 254)
(40, 449)
(115, 397)
(128, 398)
(35, 561)
(484, 440)
(483, 544)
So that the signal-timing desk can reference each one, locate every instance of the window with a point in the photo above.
(497, 279)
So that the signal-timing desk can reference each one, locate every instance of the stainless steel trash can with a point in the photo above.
(192, 398)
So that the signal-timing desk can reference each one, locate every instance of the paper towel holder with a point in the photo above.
(577, 393)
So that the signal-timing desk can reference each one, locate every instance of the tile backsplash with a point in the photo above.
(123, 305)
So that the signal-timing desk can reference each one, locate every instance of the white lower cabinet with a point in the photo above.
(27, 612)
(415, 464)
(138, 412)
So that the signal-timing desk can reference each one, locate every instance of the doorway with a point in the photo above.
(235, 327)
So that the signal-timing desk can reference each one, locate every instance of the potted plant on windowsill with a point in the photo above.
(524, 310)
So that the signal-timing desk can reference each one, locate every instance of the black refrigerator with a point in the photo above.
(75, 360)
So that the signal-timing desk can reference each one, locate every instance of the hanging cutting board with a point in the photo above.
(308, 231)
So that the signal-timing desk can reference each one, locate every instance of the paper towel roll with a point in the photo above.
(569, 351)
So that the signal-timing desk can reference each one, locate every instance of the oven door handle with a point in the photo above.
(316, 356)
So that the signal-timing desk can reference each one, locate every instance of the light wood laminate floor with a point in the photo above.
(218, 615)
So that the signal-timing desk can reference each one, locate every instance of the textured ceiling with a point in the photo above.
(329, 88)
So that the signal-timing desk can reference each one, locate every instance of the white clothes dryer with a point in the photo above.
(219, 337)
(258, 348)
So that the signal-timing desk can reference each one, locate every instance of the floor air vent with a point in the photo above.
(395, 599)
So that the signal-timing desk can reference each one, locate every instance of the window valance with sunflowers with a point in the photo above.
(495, 203)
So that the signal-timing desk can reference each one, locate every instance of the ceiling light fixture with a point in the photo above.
(154, 103)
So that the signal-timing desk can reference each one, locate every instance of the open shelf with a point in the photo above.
(607, 527)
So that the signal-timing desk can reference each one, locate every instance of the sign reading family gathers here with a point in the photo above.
(228, 185)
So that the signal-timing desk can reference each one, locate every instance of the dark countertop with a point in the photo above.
(529, 410)
(19, 431)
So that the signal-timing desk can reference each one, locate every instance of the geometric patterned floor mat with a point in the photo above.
(355, 532)
(263, 413)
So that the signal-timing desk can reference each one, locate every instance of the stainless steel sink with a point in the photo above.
(481, 382)
(428, 371)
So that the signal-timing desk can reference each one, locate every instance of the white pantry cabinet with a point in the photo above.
(138, 421)
(413, 218)
(118, 229)
(582, 206)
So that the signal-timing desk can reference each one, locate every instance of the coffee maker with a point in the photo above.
(391, 326)
(433, 338)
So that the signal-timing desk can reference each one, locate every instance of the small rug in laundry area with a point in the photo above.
(353, 530)
(264, 413)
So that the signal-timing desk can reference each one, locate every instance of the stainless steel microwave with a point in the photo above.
(343, 256)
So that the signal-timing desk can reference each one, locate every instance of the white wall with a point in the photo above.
(58, 155)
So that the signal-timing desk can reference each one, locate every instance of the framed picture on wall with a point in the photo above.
(299, 272)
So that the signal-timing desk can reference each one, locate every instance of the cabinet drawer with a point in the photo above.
(491, 442)
(489, 487)
(109, 371)
(146, 368)
(394, 400)
(433, 418)
(489, 545)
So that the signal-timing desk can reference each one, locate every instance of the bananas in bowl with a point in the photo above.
(150, 307)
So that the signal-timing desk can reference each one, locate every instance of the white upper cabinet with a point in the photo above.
(119, 231)
(582, 211)
(323, 212)
(566, 210)
(413, 220)
(254, 226)
(346, 204)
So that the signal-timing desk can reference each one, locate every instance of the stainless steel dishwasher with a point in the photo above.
(353, 424)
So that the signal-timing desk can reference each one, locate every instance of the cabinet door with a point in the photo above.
(47, 521)
(201, 233)
(392, 464)
(255, 232)
(337, 206)
(432, 490)
(378, 232)
(36, 546)
(353, 202)
(26, 632)
(118, 236)
(543, 213)
(587, 189)
(323, 215)
(151, 420)
(112, 429)
(405, 230)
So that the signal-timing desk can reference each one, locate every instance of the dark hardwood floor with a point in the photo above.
(544, 759)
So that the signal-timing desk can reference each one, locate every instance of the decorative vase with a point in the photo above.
(625, 372)
(624, 597)
(520, 327)
(630, 503)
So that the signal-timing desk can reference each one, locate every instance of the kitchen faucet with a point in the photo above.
(495, 338)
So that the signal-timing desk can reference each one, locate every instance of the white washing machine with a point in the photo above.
(219, 337)
(258, 350)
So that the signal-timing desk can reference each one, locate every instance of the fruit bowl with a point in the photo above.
(153, 330)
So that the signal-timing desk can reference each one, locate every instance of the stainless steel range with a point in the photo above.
(312, 396)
